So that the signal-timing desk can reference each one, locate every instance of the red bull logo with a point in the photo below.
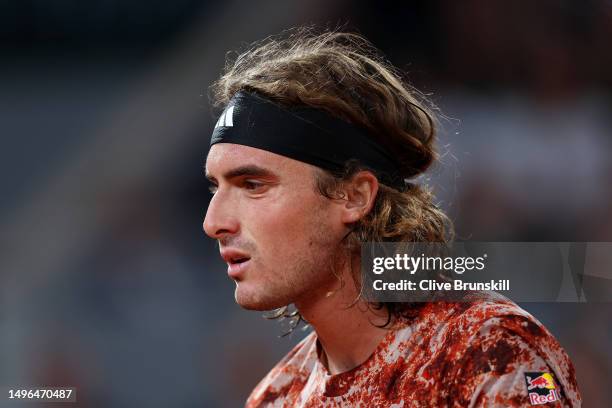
(541, 388)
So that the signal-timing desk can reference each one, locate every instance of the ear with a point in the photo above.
(360, 194)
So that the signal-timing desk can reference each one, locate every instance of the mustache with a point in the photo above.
(237, 243)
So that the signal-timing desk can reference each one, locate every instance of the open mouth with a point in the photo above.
(236, 266)
(238, 260)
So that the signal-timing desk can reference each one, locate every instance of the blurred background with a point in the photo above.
(108, 283)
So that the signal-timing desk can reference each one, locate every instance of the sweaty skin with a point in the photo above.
(266, 207)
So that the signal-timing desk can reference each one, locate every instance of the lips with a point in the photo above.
(232, 256)
(237, 261)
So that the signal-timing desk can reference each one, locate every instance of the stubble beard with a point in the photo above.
(309, 277)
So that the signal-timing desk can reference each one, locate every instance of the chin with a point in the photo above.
(256, 300)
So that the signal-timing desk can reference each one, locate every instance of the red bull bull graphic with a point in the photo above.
(541, 388)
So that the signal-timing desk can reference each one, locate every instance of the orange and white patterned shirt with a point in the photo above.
(484, 353)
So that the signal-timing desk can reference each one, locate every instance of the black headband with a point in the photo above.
(305, 134)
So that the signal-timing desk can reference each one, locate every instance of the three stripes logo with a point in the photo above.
(227, 118)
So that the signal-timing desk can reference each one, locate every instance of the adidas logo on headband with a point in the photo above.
(227, 118)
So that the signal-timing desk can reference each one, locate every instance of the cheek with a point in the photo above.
(286, 225)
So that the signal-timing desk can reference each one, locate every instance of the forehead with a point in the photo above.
(225, 156)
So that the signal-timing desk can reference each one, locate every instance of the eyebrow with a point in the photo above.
(248, 170)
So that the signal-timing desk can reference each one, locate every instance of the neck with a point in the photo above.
(348, 335)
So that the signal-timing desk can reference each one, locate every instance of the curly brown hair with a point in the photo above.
(346, 76)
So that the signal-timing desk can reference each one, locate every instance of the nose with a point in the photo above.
(220, 220)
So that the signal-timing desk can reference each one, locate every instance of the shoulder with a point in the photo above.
(487, 315)
(481, 350)
(294, 368)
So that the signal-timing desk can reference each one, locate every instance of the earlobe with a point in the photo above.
(352, 217)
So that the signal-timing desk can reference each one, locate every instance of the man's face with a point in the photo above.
(278, 235)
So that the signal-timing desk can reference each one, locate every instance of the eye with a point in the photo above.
(212, 188)
(252, 185)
